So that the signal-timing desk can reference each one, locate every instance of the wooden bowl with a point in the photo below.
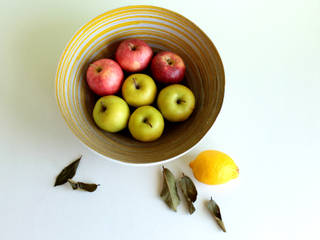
(162, 29)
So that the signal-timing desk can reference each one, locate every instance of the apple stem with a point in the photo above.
(147, 122)
(169, 61)
(97, 68)
(104, 108)
(135, 83)
(132, 47)
(180, 101)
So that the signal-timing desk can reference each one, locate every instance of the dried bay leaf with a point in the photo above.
(215, 210)
(169, 192)
(89, 187)
(67, 173)
(189, 191)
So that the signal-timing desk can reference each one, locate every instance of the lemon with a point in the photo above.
(214, 167)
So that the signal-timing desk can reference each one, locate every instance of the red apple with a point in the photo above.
(168, 67)
(104, 77)
(133, 55)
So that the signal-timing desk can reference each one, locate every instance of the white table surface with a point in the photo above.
(269, 124)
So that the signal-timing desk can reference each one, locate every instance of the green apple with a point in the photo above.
(111, 113)
(139, 90)
(146, 124)
(176, 102)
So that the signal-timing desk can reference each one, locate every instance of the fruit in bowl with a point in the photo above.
(111, 113)
(146, 124)
(133, 55)
(139, 90)
(168, 67)
(104, 77)
(176, 102)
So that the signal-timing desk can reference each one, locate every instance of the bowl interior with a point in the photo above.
(162, 30)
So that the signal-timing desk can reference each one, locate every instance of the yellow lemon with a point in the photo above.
(214, 167)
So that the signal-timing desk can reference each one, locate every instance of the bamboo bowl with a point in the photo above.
(162, 30)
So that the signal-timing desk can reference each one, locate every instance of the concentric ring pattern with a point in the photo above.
(163, 30)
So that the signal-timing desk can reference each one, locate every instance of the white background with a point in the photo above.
(269, 124)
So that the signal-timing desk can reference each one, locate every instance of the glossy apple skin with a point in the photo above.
(139, 90)
(104, 77)
(176, 102)
(146, 124)
(133, 55)
(168, 67)
(111, 113)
